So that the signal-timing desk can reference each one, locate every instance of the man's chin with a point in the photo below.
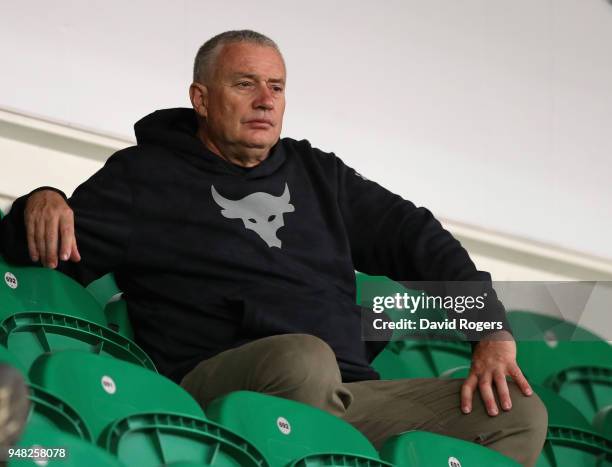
(259, 143)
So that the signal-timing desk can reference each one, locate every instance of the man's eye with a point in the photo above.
(245, 84)
(277, 88)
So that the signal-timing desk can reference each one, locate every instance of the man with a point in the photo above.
(236, 253)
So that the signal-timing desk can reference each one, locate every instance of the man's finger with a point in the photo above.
(51, 239)
(486, 392)
(501, 385)
(39, 235)
(467, 392)
(66, 228)
(30, 235)
(75, 256)
(520, 380)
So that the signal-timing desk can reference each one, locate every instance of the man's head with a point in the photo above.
(238, 92)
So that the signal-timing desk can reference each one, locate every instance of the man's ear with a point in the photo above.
(198, 94)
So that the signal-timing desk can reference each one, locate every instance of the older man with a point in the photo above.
(236, 253)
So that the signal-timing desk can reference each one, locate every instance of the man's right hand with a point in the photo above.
(49, 223)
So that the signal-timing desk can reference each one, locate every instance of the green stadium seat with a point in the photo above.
(603, 422)
(52, 413)
(119, 387)
(571, 440)
(140, 416)
(29, 335)
(118, 318)
(76, 451)
(27, 289)
(7, 357)
(423, 449)
(149, 440)
(104, 289)
(566, 358)
(108, 295)
(589, 388)
(289, 433)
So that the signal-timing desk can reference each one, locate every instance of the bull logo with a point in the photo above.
(260, 212)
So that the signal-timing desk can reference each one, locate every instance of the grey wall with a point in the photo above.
(494, 113)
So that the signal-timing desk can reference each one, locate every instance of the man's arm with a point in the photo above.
(391, 236)
(44, 227)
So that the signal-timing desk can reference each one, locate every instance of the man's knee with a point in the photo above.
(527, 423)
(299, 358)
(529, 411)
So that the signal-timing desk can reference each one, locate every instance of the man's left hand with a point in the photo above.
(494, 358)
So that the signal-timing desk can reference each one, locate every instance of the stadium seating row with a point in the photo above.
(96, 392)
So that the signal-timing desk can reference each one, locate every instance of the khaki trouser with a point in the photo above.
(303, 368)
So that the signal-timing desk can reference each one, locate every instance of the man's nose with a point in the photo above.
(264, 99)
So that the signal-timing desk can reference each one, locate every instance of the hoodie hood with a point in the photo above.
(175, 130)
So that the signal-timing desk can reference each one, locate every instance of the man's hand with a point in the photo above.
(494, 358)
(49, 223)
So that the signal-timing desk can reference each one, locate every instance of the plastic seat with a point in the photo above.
(118, 319)
(603, 422)
(423, 449)
(104, 289)
(291, 433)
(566, 358)
(77, 452)
(140, 416)
(589, 388)
(49, 412)
(108, 295)
(119, 387)
(153, 439)
(571, 440)
(29, 335)
(7, 357)
(28, 289)
(548, 345)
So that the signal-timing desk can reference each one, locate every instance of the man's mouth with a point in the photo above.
(260, 123)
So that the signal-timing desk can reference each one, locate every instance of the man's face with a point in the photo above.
(246, 98)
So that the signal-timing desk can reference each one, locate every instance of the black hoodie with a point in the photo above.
(211, 255)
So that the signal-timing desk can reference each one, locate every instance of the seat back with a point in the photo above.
(29, 335)
(588, 388)
(118, 319)
(547, 345)
(48, 411)
(289, 432)
(104, 289)
(571, 440)
(28, 289)
(103, 389)
(423, 449)
(61, 449)
(155, 439)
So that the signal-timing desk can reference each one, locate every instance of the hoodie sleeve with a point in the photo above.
(391, 236)
(102, 208)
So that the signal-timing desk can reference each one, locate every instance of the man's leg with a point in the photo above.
(294, 366)
(381, 409)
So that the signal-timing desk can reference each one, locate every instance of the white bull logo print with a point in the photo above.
(260, 212)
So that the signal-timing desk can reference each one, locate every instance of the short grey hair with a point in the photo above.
(207, 53)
